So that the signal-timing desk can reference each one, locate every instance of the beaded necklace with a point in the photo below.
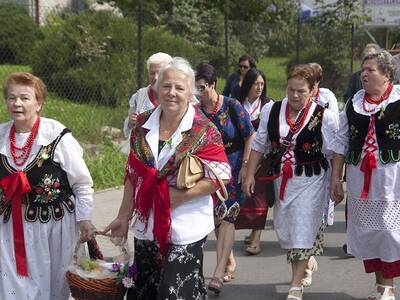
(20, 159)
(369, 99)
(215, 109)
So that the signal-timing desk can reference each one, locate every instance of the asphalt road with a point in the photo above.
(267, 275)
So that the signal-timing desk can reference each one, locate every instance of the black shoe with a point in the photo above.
(344, 247)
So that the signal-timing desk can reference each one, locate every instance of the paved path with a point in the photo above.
(266, 275)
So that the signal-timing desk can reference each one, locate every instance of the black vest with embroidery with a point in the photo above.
(307, 152)
(387, 130)
(51, 192)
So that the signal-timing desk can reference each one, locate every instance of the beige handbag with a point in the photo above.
(191, 170)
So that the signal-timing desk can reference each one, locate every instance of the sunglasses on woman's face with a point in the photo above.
(244, 67)
(201, 87)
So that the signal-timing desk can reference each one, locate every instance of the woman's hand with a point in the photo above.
(337, 192)
(248, 186)
(242, 174)
(175, 196)
(87, 229)
(119, 228)
(132, 120)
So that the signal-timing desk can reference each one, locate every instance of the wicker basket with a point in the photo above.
(94, 289)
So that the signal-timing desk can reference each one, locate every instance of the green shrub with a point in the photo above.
(88, 57)
(334, 69)
(18, 33)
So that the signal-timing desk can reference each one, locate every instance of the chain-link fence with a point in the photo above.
(92, 58)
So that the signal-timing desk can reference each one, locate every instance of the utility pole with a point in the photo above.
(139, 21)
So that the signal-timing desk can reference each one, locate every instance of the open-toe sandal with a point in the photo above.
(229, 275)
(215, 285)
(382, 296)
(253, 250)
(312, 267)
(295, 293)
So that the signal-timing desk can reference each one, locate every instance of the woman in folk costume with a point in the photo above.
(297, 133)
(368, 141)
(46, 196)
(233, 122)
(253, 212)
(170, 225)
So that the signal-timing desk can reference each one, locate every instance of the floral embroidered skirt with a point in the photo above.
(295, 255)
(180, 277)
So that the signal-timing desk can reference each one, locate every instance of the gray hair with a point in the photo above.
(181, 65)
(369, 49)
(159, 58)
(384, 61)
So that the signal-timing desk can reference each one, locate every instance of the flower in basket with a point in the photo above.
(126, 274)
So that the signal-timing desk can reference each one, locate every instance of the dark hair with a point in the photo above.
(207, 72)
(249, 59)
(248, 81)
(303, 71)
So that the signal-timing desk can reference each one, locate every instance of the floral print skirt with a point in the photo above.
(180, 277)
(295, 255)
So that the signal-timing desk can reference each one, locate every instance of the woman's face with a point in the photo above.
(205, 91)
(244, 66)
(174, 92)
(256, 89)
(372, 78)
(298, 93)
(22, 105)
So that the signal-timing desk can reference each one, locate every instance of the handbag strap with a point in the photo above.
(222, 193)
(286, 141)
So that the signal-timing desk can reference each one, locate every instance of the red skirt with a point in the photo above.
(253, 213)
(388, 270)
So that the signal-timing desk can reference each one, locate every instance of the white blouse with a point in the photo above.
(192, 220)
(326, 96)
(68, 154)
(138, 103)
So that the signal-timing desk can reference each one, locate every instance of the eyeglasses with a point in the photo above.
(244, 67)
(201, 87)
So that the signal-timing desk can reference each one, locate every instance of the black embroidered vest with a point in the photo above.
(387, 130)
(307, 151)
(51, 192)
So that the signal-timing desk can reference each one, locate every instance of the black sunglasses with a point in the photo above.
(201, 87)
(244, 67)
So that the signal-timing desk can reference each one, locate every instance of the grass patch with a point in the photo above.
(107, 169)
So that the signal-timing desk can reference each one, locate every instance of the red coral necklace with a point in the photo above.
(295, 126)
(369, 99)
(215, 109)
(20, 159)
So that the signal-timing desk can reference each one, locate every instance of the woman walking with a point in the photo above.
(368, 141)
(296, 133)
(253, 213)
(170, 225)
(233, 122)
